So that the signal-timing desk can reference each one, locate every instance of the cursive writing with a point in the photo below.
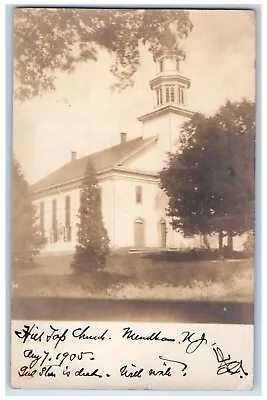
(51, 359)
(33, 333)
(154, 336)
(81, 333)
(184, 365)
(227, 366)
(82, 373)
(193, 342)
(134, 372)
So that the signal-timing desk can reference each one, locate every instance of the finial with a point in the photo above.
(168, 45)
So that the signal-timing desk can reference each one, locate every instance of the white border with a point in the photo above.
(238, 4)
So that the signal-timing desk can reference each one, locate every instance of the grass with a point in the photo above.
(140, 275)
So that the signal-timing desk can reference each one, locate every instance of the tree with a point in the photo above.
(92, 239)
(238, 123)
(210, 179)
(47, 40)
(27, 238)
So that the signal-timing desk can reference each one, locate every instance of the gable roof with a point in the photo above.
(102, 160)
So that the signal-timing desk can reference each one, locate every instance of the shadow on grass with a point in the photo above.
(194, 255)
(131, 310)
(45, 265)
(98, 281)
(53, 275)
(144, 271)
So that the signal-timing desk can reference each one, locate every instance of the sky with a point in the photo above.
(85, 116)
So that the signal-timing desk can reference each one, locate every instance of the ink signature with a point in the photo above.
(227, 366)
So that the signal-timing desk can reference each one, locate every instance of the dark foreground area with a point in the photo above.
(144, 275)
(63, 309)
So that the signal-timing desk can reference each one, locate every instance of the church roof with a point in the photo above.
(102, 160)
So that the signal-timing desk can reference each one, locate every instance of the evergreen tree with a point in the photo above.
(92, 239)
(27, 238)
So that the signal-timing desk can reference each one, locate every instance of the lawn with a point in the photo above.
(165, 275)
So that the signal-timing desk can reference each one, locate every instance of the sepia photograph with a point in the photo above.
(133, 198)
(133, 171)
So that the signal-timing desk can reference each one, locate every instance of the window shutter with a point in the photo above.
(42, 217)
(54, 220)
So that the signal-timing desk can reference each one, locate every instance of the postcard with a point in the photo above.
(133, 199)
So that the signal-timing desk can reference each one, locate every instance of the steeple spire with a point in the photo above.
(170, 95)
(169, 86)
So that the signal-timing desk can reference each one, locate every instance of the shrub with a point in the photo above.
(93, 242)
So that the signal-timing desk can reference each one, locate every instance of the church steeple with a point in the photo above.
(169, 86)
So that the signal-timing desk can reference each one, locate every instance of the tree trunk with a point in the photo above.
(220, 242)
(230, 241)
(205, 239)
(221, 249)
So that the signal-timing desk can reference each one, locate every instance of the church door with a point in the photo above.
(163, 234)
(139, 234)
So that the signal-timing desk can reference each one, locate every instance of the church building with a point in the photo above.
(133, 205)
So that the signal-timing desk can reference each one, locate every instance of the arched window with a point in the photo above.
(163, 233)
(139, 233)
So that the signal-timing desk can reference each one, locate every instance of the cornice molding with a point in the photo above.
(103, 175)
(161, 79)
(165, 110)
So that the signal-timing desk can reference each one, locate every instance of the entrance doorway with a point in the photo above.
(139, 233)
(163, 234)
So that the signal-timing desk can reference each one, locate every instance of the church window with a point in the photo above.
(42, 217)
(159, 96)
(67, 219)
(54, 221)
(67, 210)
(172, 94)
(177, 65)
(169, 94)
(161, 65)
(138, 194)
(181, 95)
